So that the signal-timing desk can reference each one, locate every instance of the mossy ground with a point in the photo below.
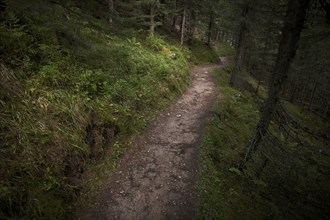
(286, 185)
(223, 49)
(202, 53)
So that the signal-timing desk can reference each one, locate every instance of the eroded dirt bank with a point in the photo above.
(155, 179)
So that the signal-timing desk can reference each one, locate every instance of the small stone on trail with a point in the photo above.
(178, 116)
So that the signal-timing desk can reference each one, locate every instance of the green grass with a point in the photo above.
(234, 118)
(278, 192)
(72, 90)
(222, 49)
(201, 53)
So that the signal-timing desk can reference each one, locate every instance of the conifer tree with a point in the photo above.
(291, 32)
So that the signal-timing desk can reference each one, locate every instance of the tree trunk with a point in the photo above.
(152, 20)
(238, 59)
(326, 7)
(293, 25)
(210, 29)
(111, 10)
(217, 34)
(174, 21)
(269, 22)
(223, 36)
(240, 48)
(325, 113)
(249, 64)
(183, 22)
(192, 28)
(174, 15)
(313, 91)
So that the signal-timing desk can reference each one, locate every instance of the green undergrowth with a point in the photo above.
(223, 49)
(287, 180)
(234, 117)
(72, 89)
(202, 53)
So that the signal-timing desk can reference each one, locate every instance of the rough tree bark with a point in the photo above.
(264, 52)
(325, 113)
(217, 34)
(209, 32)
(294, 21)
(174, 21)
(193, 26)
(326, 7)
(152, 20)
(183, 22)
(240, 47)
(174, 15)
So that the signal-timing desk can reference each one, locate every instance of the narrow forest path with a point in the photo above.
(156, 178)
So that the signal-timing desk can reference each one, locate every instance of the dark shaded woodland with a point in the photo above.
(79, 78)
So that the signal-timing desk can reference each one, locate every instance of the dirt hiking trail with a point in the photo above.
(155, 179)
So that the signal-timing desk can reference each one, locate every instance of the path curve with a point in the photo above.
(156, 178)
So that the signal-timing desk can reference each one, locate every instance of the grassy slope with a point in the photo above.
(292, 182)
(73, 89)
(202, 53)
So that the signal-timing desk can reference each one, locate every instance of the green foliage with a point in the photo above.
(15, 41)
(222, 49)
(66, 79)
(201, 53)
(74, 88)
